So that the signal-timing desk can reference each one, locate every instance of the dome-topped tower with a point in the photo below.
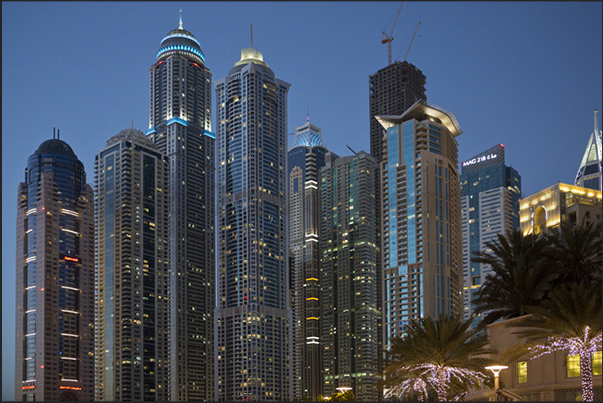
(180, 127)
(55, 146)
(182, 42)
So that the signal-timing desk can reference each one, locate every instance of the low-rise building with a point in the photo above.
(551, 377)
(544, 210)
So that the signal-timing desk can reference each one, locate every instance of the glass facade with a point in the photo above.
(55, 273)
(418, 217)
(305, 159)
(490, 194)
(253, 352)
(180, 126)
(132, 273)
(351, 316)
(590, 173)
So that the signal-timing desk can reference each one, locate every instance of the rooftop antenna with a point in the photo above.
(54, 132)
(58, 134)
(132, 124)
(180, 26)
(308, 118)
(596, 123)
(251, 35)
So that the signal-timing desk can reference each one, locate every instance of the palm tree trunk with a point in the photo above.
(586, 371)
(440, 387)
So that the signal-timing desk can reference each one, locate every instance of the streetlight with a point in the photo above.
(496, 370)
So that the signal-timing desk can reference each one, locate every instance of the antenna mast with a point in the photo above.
(180, 26)
(251, 35)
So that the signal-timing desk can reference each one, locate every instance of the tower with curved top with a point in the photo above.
(253, 316)
(55, 278)
(180, 124)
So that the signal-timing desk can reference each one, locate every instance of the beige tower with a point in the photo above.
(421, 220)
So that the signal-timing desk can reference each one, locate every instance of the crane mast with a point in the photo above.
(388, 39)
(413, 38)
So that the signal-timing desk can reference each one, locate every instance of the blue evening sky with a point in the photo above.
(527, 75)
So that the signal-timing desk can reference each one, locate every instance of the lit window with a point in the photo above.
(573, 365)
(522, 372)
(597, 363)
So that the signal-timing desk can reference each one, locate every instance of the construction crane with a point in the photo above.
(413, 38)
(388, 39)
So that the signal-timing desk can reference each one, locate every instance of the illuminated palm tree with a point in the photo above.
(568, 319)
(522, 275)
(436, 354)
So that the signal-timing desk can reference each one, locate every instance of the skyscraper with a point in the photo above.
(490, 193)
(393, 90)
(590, 172)
(421, 222)
(132, 270)
(305, 158)
(348, 275)
(253, 318)
(55, 278)
(180, 123)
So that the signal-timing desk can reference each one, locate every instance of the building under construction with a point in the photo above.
(393, 90)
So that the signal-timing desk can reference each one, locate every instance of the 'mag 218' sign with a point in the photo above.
(477, 160)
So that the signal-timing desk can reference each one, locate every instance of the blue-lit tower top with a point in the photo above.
(180, 41)
(307, 135)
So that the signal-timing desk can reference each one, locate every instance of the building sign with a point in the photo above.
(479, 159)
(489, 158)
(70, 387)
(71, 259)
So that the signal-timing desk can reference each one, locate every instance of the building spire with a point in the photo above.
(596, 123)
(251, 36)
(180, 26)
(308, 118)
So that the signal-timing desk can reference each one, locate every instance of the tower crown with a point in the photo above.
(181, 41)
(249, 55)
(55, 146)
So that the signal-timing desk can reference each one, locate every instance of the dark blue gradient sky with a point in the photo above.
(527, 75)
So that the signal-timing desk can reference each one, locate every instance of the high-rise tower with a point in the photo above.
(490, 193)
(132, 270)
(305, 158)
(55, 278)
(349, 275)
(253, 318)
(590, 172)
(393, 90)
(180, 123)
(421, 221)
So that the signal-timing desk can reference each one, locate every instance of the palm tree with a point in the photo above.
(522, 275)
(577, 251)
(439, 354)
(568, 319)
